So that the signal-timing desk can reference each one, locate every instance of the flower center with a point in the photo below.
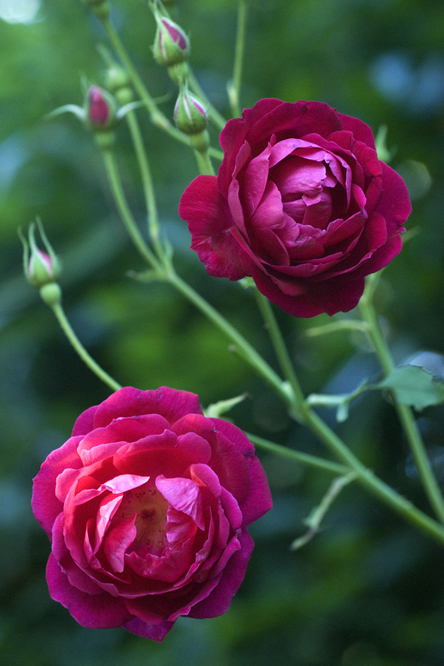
(151, 508)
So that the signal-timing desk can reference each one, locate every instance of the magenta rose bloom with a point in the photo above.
(146, 506)
(302, 204)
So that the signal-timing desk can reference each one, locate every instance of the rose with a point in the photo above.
(146, 506)
(301, 204)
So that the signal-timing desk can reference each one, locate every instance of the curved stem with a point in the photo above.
(125, 213)
(405, 414)
(235, 85)
(80, 349)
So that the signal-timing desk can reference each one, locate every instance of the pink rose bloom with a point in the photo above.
(302, 204)
(146, 506)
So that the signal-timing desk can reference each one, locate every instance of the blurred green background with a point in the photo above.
(368, 591)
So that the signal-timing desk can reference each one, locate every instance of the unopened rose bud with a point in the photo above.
(100, 8)
(40, 267)
(117, 82)
(190, 114)
(171, 45)
(101, 109)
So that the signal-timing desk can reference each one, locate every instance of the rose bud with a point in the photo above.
(101, 109)
(190, 115)
(100, 8)
(301, 204)
(171, 45)
(147, 507)
(118, 83)
(40, 267)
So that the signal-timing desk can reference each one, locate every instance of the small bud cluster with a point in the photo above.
(117, 82)
(171, 48)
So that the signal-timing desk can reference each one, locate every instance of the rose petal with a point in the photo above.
(45, 505)
(99, 611)
(156, 632)
(209, 220)
(128, 401)
(219, 601)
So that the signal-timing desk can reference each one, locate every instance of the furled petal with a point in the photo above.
(255, 180)
(124, 482)
(183, 495)
(107, 510)
(118, 541)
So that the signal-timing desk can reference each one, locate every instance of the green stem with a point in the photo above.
(147, 181)
(405, 414)
(217, 154)
(279, 346)
(125, 213)
(204, 163)
(311, 419)
(298, 456)
(340, 325)
(235, 85)
(367, 478)
(80, 349)
(213, 113)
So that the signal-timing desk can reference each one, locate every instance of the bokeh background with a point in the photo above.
(368, 590)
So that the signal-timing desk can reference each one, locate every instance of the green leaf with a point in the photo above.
(414, 386)
(218, 408)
